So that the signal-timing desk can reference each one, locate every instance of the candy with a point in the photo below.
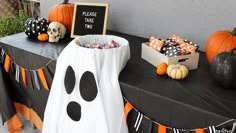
(94, 45)
(173, 51)
(174, 46)
(156, 43)
(185, 44)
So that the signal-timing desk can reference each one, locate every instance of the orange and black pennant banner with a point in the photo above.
(7, 63)
(43, 79)
(128, 108)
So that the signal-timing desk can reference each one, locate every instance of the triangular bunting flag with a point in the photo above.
(17, 74)
(234, 127)
(49, 75)
(2, 56)
(199, 130)
(36, 81)
(138, 121)
(14, 124)
(43, 79)
(145, 126)
(24, 78)
(29, 78)
(161, 128)
(175, 130)
(7, 63)
(127, 109)
(211, 129)
(12, 69)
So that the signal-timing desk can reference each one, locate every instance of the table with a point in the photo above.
(29, 54)
(197, 101)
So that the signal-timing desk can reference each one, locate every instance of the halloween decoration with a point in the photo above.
(161, 69)
(174, 46)
(85, 96)
(43, 37)
(35, 26)
(220, 41)
(56, 31)
(147, 123)
(223, 69)
(177, 71)
(62, 13)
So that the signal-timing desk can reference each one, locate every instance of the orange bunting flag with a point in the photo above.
(161, 128)
(199, 130)
(128, 108)
(14, 124)
(23, 73)
(43, 79)
(7, 63)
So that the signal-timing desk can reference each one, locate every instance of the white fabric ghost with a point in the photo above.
(85, 96)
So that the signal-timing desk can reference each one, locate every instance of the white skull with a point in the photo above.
(56, 31)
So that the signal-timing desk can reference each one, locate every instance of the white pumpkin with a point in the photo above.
(177, 71)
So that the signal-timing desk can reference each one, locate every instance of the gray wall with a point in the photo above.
(194, 20)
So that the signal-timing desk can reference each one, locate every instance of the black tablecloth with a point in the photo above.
(197, 101)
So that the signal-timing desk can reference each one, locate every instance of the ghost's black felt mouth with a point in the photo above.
(74, 111)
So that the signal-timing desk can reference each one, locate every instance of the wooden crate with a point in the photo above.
(155, 58)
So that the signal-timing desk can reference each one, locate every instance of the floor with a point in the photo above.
(28, 128)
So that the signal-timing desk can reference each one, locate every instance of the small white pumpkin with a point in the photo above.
(177, 71)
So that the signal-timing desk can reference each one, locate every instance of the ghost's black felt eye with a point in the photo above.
(88, 86)
(69, 80)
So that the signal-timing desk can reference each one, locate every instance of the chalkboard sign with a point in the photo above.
(89, 18)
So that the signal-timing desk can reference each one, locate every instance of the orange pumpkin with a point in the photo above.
(220, 41)
(43, 37)
(161, 69)
(62, 13)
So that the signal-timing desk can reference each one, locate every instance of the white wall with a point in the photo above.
(194, 20)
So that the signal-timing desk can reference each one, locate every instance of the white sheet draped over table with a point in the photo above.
(105, 112)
